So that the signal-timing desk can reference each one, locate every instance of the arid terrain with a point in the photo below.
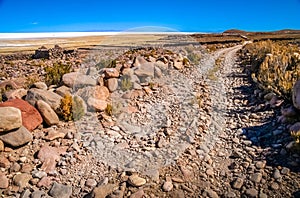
(179, 115)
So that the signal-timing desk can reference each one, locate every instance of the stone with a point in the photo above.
(45, 182)
(63, 90)
(26, 194)
(112, 84)
(274, 186)
(4, 182)
(91, 183)
(76, 79)
(295, 128)
(15, 167)
(136, 181)
(178, 65)
(60, 191)
(92, 71)
(40, 85)
(256, 177)
(167, 186)
(96, 104)
(296, 95)
(49, 97)
(138, 61)
(210, 193)
(15, 94)
(145, 70)
(11, 118)
(104, 190)
(277, 174)
(1, 146)
(17, 138)
(31, 118)
(50, 156)
(21, 180)
(252, 192)
(98, 92)
(238, 183)
(54, 134)
(289, 111)
(138, 194)
(4, 162)
(38, 174)
(48, 114)
(260, 164)
(157, 72)
(37, 194)
(111, 73)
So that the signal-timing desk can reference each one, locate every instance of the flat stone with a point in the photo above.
(63, 91)
(17, 138)
(96, 104)
(45, 182)
(54, 134)
(90, 183)
(25, 194)
(22, 179)
(138, 194)
(37, 194)
(256, 177)
(51, 98)
(103, 191)
(238, 183)
(76, 79)
(60, 191)
(136, 181)
(111, 73)
(48, 114)
(4, 182)
(40, 85)
(11, 118)
(145, 70)
(252, 192)
(4, 162)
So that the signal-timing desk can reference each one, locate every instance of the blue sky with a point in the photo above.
(180, 15)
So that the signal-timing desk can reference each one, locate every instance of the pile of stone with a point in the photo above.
(53, 53)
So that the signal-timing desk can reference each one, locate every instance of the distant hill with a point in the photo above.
(234, 31)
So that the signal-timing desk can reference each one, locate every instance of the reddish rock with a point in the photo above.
(101, 92)
(31, 118)
(4, 162)
(96, 104)
(45, 182)
(50, 156)
(111, 73)
(3, 181)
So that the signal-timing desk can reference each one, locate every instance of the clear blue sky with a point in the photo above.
(181, 15)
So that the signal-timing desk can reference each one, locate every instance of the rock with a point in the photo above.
(274, 186)
(178, 65)
(252, 192)
(4, 182)
(9, 84)
(210, 193)
(26, 194)
(4, 162)
(112, 84)
(75, 79)
(63, 90)
(39, 174)
(15, 167)
(91, 183)
(269, 96)
(289, 112)
(96, 104)
(48, 114)
(168, 186)
(60, 191)
(98, 92)
(1, 146)
(103, 191)
(296, 95)
(11, 118)
(92, 71)
(49, 97)
(138, 194)
(136, 181)
(260, 164)
(22, 179)
(138, 61)
(295, 128)
(50, 156)
(238, 183)
(17, 138)
(15, 94)
(145, 70)
(40, 85)
(54, 134)
(45, 182)
(37, 194)
(277, 174)
(256, 177)
(111, 73)
(157, 72)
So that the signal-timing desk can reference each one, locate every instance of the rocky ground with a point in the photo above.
(182, 128)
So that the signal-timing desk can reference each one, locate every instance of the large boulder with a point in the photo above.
(145, 70)
(98, 92)
(49, 97)
(296, 95)
(31, 118)
(10, 118)
(17, 138)
(48, 114)
(76, 79)
(96, 104)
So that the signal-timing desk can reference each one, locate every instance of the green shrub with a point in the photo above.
(55, 72)
(126, 83)
(106, 63)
